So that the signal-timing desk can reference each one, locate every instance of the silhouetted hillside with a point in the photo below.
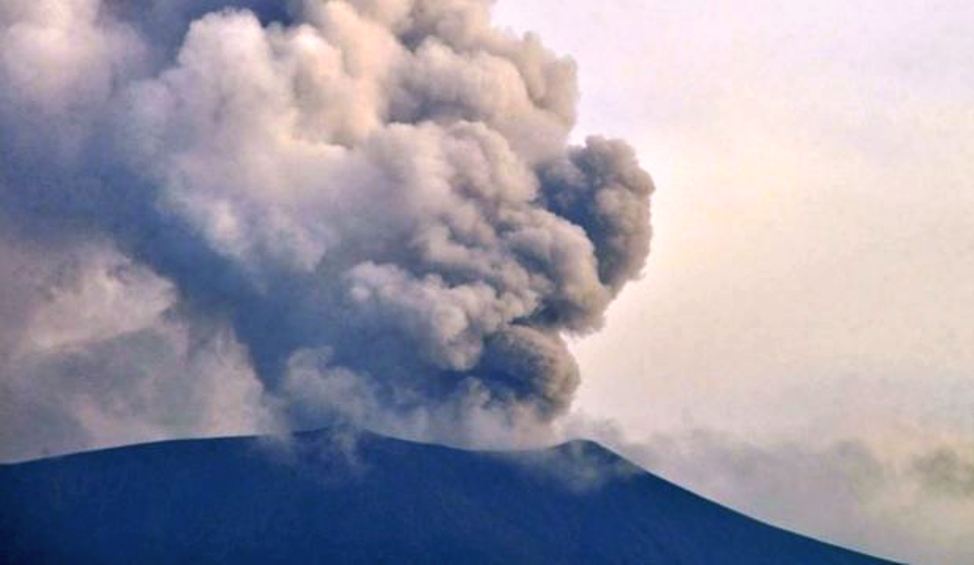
(320, 498)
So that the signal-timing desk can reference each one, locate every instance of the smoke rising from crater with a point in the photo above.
(370, 205)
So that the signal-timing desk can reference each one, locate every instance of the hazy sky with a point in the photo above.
(225, 227)
(809, 287)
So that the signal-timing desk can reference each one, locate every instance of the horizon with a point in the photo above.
(433, 221)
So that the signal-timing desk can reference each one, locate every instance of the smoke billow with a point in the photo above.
(368, 208)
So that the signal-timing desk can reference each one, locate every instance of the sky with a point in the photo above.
(800, 344)
(388, 211)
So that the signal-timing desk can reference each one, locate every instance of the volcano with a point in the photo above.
(342, 497)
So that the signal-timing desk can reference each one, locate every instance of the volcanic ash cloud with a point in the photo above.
(374, 199)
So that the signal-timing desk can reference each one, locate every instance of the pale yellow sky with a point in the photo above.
(810, 280)
(801, 345)
(812, 214)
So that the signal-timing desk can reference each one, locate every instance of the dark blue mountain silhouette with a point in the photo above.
(337, 497)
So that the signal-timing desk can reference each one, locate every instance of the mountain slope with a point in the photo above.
(324, 498)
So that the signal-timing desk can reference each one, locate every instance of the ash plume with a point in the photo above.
(371, 206)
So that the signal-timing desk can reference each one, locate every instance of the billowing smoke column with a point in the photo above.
(371, 202)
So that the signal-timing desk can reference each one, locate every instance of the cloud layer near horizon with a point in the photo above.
(228, 216)
(810, 281)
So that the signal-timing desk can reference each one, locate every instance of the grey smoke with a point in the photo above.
(948, 472)
(912, 504)
(369, 206)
